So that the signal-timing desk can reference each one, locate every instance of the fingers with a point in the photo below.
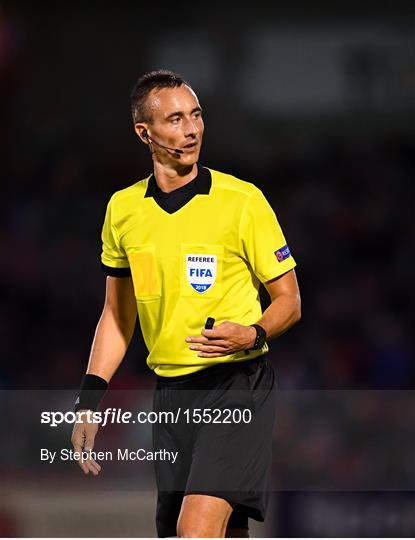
(219, 344)
(87, 465)
(83, 440)
(211, 349)
(82, 464)
(217, 340)
(92, 466)
(89, 445)
(222, 330)
(217, 332)
(216, 350)
(212, 354)
(197, 339)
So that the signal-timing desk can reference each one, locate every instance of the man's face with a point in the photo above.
(176, 122)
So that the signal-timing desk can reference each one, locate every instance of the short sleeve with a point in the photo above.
(262, 242)
(114, 260)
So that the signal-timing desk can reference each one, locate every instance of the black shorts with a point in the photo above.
(222, 432)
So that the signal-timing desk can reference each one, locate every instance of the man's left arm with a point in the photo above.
(229, 337)
(285, 307)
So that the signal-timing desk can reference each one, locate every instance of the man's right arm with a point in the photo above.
(115, 328)
(112, 338)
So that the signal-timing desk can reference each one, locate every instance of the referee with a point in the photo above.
(187, 247)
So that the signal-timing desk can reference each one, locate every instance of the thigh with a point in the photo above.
(174, 438)
(167, 512)
(171, 478)
(232, 460)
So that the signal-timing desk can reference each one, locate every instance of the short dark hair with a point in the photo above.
(160, 78)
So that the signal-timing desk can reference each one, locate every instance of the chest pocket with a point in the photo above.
(145, 273)
(201, 270)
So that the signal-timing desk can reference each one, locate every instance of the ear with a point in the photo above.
(142, 131)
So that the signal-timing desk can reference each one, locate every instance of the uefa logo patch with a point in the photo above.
(201, 271)
(283, 253)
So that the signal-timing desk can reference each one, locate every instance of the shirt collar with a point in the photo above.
(201, 184)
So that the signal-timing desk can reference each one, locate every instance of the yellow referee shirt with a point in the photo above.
(204, 259)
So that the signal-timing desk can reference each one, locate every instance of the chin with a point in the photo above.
(188, 159)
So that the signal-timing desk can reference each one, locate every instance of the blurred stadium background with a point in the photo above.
(312, 101)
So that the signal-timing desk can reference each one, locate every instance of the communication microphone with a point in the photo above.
(175, 150)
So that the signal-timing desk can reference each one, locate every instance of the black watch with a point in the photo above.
(261, 336)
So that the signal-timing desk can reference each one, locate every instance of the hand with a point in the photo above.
(225, 338)
(83, 438)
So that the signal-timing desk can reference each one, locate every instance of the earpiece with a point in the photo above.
(144, 133)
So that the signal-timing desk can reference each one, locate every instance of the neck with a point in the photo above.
(168, 178)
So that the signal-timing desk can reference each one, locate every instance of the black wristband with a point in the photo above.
(261, 336)
(92, 391)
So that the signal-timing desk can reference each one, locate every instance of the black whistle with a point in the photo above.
(210, 321)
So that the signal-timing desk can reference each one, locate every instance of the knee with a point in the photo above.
(203, 516)
(185, 528)
(193, 529)
(187, 531)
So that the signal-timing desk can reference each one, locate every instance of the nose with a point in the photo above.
(191, 128)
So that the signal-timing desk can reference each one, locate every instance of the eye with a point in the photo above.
(175, 120)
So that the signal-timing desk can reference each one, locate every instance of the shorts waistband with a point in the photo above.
(209, 371)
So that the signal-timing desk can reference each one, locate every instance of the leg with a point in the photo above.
(203, 516)
(170, 478)
(168, 508)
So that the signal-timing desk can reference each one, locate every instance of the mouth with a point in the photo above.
(191, 145)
